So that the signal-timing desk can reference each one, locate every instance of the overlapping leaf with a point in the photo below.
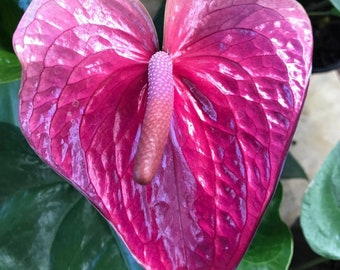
(321, 208)
(10, 69)
(240, 74)
(9, 102)
(39, 214)
(272, 247)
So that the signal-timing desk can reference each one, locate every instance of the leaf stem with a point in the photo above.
(317, 6)
(320, 13)
(311, 263)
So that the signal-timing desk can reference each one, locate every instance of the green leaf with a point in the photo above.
(44, 222)
(272, 247)
(129, 259)
(28, 221)
(9, 102)
(335, 12)
(20, 168)
(336, 4)
(320, 213)
(292, 169)
(10, 68)
(84, 239)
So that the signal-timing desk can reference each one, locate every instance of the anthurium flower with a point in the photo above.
(206, 122)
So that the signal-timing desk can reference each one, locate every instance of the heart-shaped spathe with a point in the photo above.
(240, 73)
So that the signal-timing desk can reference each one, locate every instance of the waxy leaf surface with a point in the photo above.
(272, 246)
(240, 73)
(10, 69)
(39, 214)
(320, 208)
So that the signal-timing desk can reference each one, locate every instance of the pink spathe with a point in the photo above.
(240, 70)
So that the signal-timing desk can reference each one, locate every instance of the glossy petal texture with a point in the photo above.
(240, 70)
(84, 76)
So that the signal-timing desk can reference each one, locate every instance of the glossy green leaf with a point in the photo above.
(129, 259)
(335, 12)
(84, 239)
(292, 169)
(10, 68)
(9, 102)
(44, 222)
(20, 168)
(320, 214)
(28, 221)
(272, 246)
